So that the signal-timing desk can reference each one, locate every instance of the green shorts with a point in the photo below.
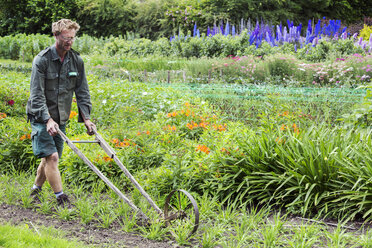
(43, 144)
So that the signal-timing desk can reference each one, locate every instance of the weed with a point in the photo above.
(128, 222)
(86, 210)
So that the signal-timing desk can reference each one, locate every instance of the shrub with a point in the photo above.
(366, 33)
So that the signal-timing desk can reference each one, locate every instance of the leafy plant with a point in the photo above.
(366, 32)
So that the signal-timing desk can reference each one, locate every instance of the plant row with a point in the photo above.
(220, 225)
(26, 47)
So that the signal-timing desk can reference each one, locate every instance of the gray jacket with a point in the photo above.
(53, 84)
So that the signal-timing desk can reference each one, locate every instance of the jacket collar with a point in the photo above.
(55, 55)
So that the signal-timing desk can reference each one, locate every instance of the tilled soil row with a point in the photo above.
(89, 234)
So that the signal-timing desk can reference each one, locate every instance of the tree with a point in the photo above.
(33, 16)
(106, 17)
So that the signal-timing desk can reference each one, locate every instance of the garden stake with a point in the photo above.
(180, 207)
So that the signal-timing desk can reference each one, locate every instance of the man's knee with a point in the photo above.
(53, 158)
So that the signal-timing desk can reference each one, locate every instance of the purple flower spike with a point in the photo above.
(227, 28)
(315, 41)
(360, 41)
(335, 37)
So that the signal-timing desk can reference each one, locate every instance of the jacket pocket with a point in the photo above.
(51, 82)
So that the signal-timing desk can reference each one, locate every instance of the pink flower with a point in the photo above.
(11, 102)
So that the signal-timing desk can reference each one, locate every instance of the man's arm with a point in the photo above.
(83, 99)
(82, 94)
(37, 107)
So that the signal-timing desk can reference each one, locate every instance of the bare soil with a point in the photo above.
(114, 237)
(89, 234)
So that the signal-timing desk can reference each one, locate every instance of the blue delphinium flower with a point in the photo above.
(279, 36)
(317, 29)
(227, 29)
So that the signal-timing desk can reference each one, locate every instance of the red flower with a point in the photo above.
(11, 102)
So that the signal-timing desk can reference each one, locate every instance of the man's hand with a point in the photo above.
(90, 126)
(51, 127)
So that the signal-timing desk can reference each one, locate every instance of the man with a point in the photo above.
(57, 72)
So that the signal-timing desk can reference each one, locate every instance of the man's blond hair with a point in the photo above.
(64, 24)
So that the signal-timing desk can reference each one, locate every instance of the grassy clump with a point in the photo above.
(28, 235)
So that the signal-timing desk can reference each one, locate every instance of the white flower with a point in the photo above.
(144, 93)
(104, 101)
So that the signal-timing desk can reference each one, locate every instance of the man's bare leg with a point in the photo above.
(40, 174)
(52, 173)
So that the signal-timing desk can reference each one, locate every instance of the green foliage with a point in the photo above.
(162, 18)
(25, 235)
(147, 21)
(33, 16)
(15, 146)
(23, 47)
(105, 18)
(326, 50)
(361, 116)
(182, 16)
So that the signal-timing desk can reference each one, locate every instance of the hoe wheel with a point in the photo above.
(181, 213)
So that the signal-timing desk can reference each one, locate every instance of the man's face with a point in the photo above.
(65, 39)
